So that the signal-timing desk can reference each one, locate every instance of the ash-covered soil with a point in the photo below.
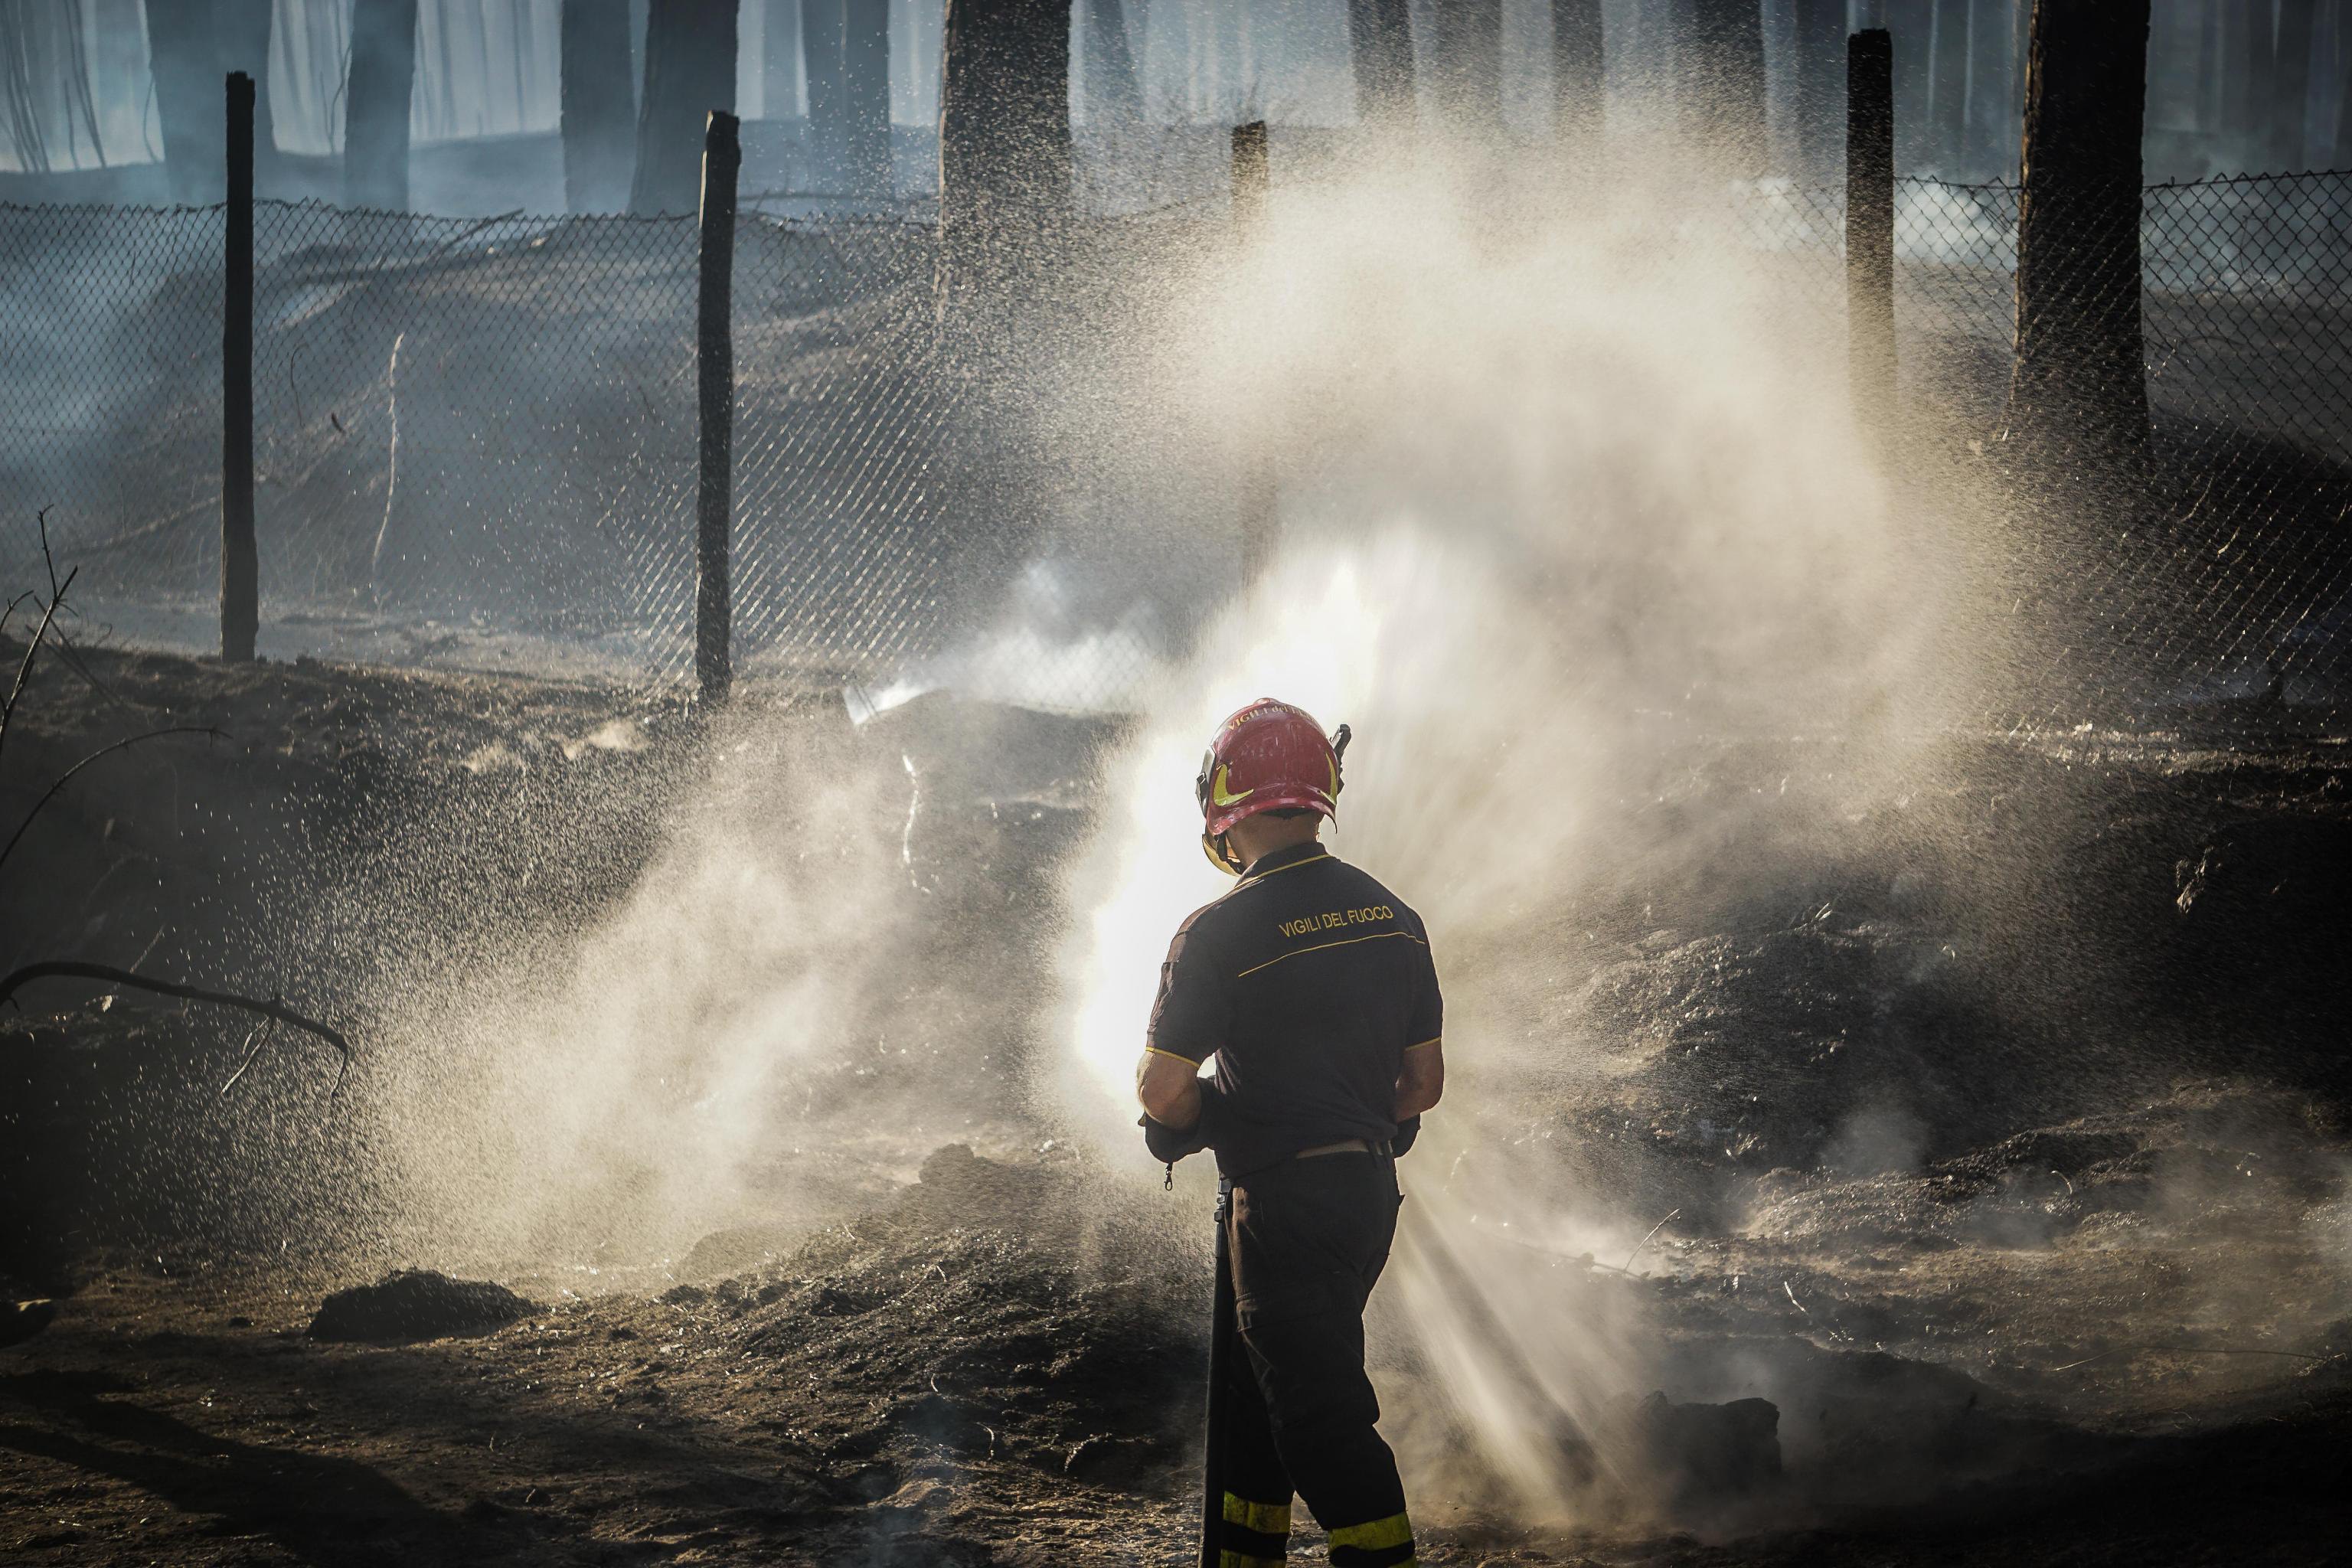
(992, 1370)
(2001, 1142)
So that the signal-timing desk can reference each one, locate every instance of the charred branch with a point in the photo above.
(107, 974)
(67, 777)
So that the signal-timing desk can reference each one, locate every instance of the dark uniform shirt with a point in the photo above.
(1308, 981)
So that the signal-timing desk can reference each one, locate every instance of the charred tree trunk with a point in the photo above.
(597, 94)
(846, 46)
(821, 63)
(2212, 86)
(1252, 179)
(866, 97)
(1723, 85)
(242, 28)
(186, 56)
(121, 56)
(240, 590)
(1993, 117)
(1820, 73)
(2079, 384)
(1005, 139)
(1911, 27)
(2292, 96)
(2249, 66)
(1380, 40)
(779, 62)
(689, 72)
(1948, 96)
(1469, 64)
(378, 84)
(714, 612)
(27, 51)
(2342, 158)
(1579, 76)
(1870, 233)
(1114, 89)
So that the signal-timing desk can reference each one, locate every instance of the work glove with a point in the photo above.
(1407, 1131)
(1169, 1144)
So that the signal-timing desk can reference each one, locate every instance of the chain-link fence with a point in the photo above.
(2236, 581)
(482, 433)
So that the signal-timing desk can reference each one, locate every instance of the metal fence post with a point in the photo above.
(240, 591)
(714, 359)
(1259, 512)
(1870, 228)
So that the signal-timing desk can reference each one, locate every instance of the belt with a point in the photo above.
(1346, 1146)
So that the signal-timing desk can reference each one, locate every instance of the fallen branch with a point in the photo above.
(33, 648)
(1629, 1257)
(72, 654)
(253, 1044)
(67, 777)
(2189, 1350)
(74, 969)
(1583, 1259)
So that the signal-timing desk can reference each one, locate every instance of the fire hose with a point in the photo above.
(1221, 1333)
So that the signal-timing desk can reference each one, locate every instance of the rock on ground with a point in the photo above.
(408, 1305)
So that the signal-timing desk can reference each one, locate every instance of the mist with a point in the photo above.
(1560, 501)
(1563, 504)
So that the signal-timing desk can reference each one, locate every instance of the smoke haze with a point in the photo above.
(1558, 502)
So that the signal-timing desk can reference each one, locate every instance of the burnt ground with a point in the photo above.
(2078, 1292)
(935, 1383)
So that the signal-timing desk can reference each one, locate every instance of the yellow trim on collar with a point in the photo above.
(1251, 882)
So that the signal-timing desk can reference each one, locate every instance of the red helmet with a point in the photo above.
(1266, 757)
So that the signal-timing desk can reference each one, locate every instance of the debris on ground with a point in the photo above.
(1698, 1452)
(413, 1304)
(20, 1321)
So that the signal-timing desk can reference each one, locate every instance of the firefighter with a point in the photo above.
(1312, 986)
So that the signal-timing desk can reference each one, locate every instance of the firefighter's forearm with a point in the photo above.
(1179, 1110)
(1423, 1083)
(1170, 1090)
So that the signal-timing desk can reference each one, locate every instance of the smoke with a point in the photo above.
(1551, 507)
(625, 1081)
(1563, 502)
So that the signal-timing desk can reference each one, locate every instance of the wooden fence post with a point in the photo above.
(240, 591)
(1249, 176)
(714, 359)
(1870, 229)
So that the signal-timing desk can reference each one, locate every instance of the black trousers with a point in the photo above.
(1307, 1240)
